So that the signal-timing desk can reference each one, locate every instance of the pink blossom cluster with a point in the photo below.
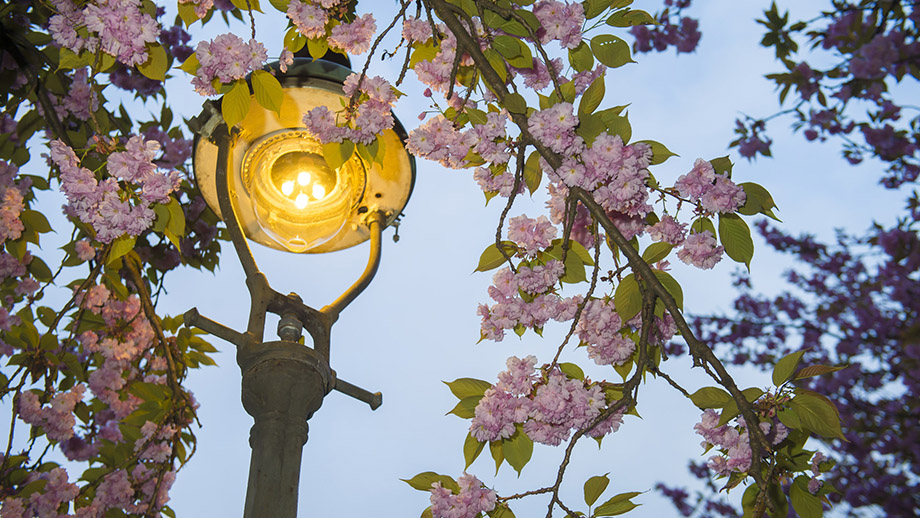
(715, 192)
(701, 249)
(226, 58)
(415, 29)
(309, 19)
(814, 483)
(128, 337)
(555, 128)
(120, 28)
(668, 230)
(57, 491)
(57, 419)
(501, 182)
(438, 140)
(354, 37)
(531, 234)
(201, 6)
(600, 328)
(473, 498)
(435, 73)
(538, 77)
(373, 115)
(560, 21)
(511, 310)
(548, 408)
(154, 442)
(733, 441)
(101, 204)
(11, 206)
(81, 101)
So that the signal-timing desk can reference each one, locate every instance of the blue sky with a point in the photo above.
(416, 324)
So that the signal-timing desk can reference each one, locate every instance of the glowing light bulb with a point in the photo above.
(319, 191)
(287, 188)
(301, 201)
(303, 178)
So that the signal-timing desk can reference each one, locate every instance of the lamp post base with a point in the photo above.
(283, 385)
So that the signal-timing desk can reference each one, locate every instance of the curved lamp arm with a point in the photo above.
(376, 221)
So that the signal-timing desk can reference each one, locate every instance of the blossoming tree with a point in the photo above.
(847, 77)
(520, 91)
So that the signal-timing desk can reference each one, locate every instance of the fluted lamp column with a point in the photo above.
(267, 179)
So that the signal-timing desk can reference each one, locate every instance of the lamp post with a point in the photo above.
(267, 179)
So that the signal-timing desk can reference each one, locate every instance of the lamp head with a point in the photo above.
(284, 193)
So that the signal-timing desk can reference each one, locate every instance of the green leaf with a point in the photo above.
(477, 117)
(594, 8)
(581, 252)
(267, 90)
(533, 173)
(39, 269)
(68, 59)
(518, 450)
(571, 370)
(35, 220)
(630, 18)
(468, 387)
(656, 252)
(234, 105)
(701, 225)
(423, 481)
(595, 487)
(722, 165)
(492, 257)
(711, 397)
(660, 152)
(244, 5)
(757, 201)
(466, 407)
(617, 505)
(157, 63)
(592, 97)
(806, 505)
(120, 247)
(785, 367)
(337, 153)
(617, 125)
(581, 58)
(817, 414)
(187, 13)
(191, 64)
(610, 50)
(736, 238)
(176, 223)
(498, 455)
(672, 286)
(574, 268)
(515, 103)
(789, 418)
(507, 46)
(627, 299)
(811, 370)
(498, 64)
(471, 449)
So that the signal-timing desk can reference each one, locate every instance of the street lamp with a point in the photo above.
(267, 179)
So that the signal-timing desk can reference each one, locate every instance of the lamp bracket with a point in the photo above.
(264, 299)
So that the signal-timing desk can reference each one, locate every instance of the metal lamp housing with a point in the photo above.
(282, 191)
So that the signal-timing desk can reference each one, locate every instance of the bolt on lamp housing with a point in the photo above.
(283, 192)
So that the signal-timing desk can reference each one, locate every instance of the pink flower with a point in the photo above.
(530, 234)
(698, 181)
(668, 230)
(701, 250)
(560, 21)
(416, 30)
(354, 37)
(309, 19)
